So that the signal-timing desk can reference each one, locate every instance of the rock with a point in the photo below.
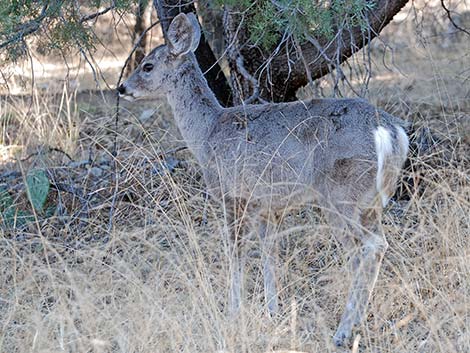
(167, 165)
(146, 115)
(96, 172)
(78, 164)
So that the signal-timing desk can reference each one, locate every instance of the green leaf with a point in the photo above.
(38, 187)
(5, 199)
(50, 211)
(13, 217)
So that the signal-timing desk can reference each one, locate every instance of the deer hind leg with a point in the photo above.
(365, 266)
(268, 255)
(236, 227)
(373, 244)
(235, 298)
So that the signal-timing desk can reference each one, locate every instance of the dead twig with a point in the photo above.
(236, 57)
(449, 16)
(49, 149)
(116, 122)
(92, 16)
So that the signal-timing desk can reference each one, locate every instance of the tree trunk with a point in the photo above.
(139, 28)
(166, 11)
(280, 81)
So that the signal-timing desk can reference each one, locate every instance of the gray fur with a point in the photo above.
(266, 158)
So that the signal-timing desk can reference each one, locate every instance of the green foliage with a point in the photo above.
(10, 216)
(37, 185)
(232, 3)
(268, 20)
(66, 33)
(57, 24)
(6, 200)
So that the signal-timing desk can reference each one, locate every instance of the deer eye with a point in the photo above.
(147, 67)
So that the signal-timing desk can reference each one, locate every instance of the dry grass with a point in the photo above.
(156, 278)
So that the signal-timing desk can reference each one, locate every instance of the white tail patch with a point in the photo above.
(384, 149)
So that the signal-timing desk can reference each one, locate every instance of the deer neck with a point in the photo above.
(194, 105)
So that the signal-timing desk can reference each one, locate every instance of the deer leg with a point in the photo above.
(365, 266)
(269, 265)
(235, 284)
(237, 228)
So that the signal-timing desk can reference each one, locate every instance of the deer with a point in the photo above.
(343, 154)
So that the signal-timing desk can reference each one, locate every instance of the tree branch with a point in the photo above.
(27, 28)
(32, 26)
(446, 9)
(286, 71)
(92, 16)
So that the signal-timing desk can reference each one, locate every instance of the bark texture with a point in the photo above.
(139, 28)
(280, 80)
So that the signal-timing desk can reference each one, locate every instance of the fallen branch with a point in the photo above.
(452, 20)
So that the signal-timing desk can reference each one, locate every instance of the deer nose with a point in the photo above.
(121, 89)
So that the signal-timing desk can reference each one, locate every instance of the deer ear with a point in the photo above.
(183, 34)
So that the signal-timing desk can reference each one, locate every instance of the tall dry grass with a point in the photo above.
(155, 276)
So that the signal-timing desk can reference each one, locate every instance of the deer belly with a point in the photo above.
(266, 181)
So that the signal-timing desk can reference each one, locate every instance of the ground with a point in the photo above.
(128, 255)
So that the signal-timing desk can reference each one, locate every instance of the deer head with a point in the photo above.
(160, 67)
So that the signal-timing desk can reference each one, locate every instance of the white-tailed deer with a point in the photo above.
(344, 154)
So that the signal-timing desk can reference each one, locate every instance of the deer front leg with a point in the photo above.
(366, 266)
(266, 230)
